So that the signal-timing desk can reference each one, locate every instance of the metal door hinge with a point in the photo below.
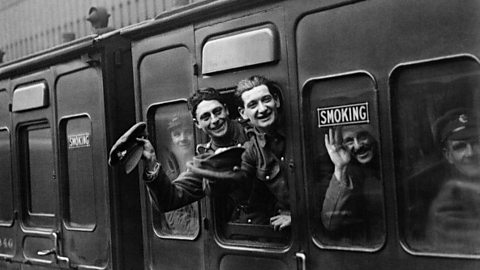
(195, 69)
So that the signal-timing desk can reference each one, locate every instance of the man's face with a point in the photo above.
(464, 155)
(182, 138)
(212, 118)
(260, 107)
(359, 142)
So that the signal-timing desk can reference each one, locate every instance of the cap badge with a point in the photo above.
(463, 118)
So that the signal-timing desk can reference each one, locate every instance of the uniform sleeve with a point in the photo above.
(168, 195)
(335, 210)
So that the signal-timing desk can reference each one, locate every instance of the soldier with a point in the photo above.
(352, 205)
(178, 150)
(210, 114)
(445, 205)
(264, 156)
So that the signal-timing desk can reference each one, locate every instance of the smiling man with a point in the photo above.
(264, 156)
(210, 115)
(352, 207)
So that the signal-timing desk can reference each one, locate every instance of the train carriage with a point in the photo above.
(61, 205)
(395, 68)
(384, 63)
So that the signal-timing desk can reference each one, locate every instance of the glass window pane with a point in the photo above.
(81, 189)
(41, 170)
(343, 162)
(437, 155)
(6, 191)
(175, 145)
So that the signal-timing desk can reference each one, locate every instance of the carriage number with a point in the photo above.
(6, 243)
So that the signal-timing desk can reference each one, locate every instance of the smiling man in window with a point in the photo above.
(352, 210)
(264, 156)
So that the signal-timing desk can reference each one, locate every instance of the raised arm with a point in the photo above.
(166, 194)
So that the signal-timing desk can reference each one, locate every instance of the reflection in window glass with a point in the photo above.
(436, 131)
(6, 191)
(176, 145)
(41, 168)
(345, 185)
(80, 178)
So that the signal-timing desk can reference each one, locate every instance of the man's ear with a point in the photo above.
(277, 101)
(195, 121)
(241, 111)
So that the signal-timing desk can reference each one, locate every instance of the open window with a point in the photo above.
(437, 154)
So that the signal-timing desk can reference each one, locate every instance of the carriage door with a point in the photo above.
(85, 224)
(340, 115)
(229, 52)
(34, 137)
(7, 217)
(165, 66)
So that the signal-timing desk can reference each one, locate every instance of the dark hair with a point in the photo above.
(201, 95)
(254, 81)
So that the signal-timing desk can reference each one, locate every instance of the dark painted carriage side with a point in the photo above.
(366, 49)
(62, 206)
(320, 53)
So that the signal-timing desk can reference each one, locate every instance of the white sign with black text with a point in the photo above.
(343, 115)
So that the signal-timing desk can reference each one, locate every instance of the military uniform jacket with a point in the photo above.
(444, 210)
(264, 159)
(168, 195)
(352, 212)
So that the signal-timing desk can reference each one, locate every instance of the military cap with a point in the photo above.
(127, 150)
(179, 120)
(221, 165)
(456, 124)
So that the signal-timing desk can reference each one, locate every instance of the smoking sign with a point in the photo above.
(79, 140)
(343, 115)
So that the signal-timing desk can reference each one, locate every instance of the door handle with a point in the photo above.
(301, 261)
(46, 252)
(55, 251)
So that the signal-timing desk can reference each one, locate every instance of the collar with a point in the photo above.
(266, 138)
(233, 137)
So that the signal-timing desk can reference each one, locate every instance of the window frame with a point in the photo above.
(398, 182)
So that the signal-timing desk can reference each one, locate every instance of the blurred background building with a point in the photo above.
(29, 26)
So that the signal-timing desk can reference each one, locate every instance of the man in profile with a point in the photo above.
(445, 206)
(352, 205)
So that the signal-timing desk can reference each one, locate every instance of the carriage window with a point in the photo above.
(40, 170)
(175, 145)
(80, 182)
(6, 200)
(241, 49)
(242, 212)
(437, 137)
(343, 156)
